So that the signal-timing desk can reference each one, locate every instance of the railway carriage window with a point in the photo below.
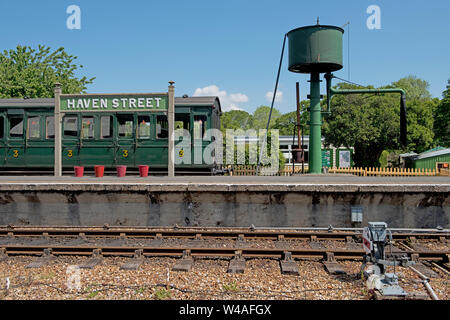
(16, 127)
(50, 128)
(182, 121)
(199, 126)
(87, 128)
(34, 128)
(71, 126)
(144, 127)
(2, 127)
(125, 122)
(162, 127)
(106, 127)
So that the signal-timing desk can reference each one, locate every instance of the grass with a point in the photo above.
(231, 287)
(162, 294)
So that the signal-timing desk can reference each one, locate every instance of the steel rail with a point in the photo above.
(178, 251)
(154, 232)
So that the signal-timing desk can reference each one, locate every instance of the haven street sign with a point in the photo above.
(114, 102)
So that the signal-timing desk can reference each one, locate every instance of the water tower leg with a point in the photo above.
(315, 135)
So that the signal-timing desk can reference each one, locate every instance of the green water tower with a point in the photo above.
(318, 49)
(314, 50)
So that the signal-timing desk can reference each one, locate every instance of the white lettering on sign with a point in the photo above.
(103, 104)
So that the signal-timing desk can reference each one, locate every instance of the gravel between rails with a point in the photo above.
(207, 280)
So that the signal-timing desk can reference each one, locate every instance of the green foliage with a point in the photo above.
(286, 122)
(261, 115)
(442, 119)
(236, 119)
(371, 123)
(230, 287)
(26, 72)
(383, 160)
(415, 88)
(162, 294)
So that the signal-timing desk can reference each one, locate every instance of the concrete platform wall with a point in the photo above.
(206, 206)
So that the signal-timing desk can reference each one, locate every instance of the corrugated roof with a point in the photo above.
(430, 154)
(41, 102)
(198, 101)
(47, 102)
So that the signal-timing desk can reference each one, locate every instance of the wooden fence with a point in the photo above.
(396, 172)
(250, 170)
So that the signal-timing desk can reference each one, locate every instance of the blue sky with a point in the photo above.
(231, 48)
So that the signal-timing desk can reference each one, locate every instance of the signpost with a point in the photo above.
(113, 102)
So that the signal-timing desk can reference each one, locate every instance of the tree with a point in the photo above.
(285, 123)
(26, 72)
(371, 123)
(442, 119)
(415, 88)
(236, 119)
(261, 115)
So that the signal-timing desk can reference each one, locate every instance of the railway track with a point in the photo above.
(212, 242)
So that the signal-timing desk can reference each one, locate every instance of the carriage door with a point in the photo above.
(2, 140)
(200, 126)
(15, 138)
(126, 139)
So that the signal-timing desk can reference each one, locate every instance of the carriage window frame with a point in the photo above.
(203, 128)
(119, 117)
(66, 117)
(2, 126)
(10, 117)
(161, 128)
(38, 126)
(183, 118)
(47, 121)
(139, 127)
(91, 126)
(111, 127)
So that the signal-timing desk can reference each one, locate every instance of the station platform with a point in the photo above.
(328, 183)
(224, 201)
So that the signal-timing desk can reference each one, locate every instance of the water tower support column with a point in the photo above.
(315, 125)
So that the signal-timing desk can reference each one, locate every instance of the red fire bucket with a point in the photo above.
(143, 171)
(99, 171)
(79, 171)
(121, 171)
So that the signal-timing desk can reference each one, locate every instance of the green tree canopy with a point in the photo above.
(26, 72)
(286, 122)
(371, 123)
(414, 87)
(442, 119)
(236, 119)
(261, 115)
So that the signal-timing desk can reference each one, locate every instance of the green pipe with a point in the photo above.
(315, 136)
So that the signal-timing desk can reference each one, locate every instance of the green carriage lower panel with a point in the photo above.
(2, 155)
(40, 156)
(125, 155)
(151, 155)
(16, 156)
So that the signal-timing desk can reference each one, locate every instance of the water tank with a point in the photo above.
(315, 49)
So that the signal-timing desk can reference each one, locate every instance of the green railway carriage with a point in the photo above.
(103, 138)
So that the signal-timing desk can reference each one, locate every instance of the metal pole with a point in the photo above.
(315, 142)
(57, 119)
(171, 123)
